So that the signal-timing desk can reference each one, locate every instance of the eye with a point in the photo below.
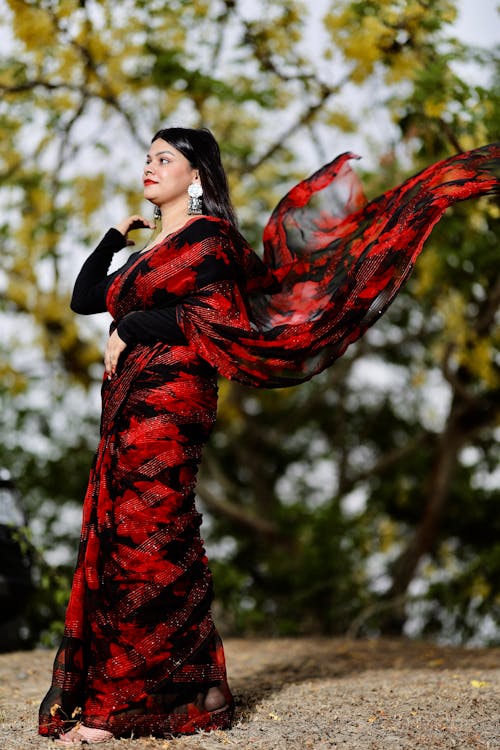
(164, 160)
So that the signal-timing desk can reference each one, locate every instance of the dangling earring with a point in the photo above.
(157, 214)
(195, 203)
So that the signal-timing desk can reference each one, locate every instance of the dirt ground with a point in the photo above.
(296, 694)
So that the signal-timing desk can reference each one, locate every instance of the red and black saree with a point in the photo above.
(140, 649)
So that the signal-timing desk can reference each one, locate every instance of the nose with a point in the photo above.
(147, 169)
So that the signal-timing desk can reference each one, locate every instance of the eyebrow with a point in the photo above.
(160, 153)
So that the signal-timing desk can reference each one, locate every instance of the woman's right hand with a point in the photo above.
(136, 221)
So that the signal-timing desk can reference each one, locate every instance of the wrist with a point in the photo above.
(122, 228)
(112, 242)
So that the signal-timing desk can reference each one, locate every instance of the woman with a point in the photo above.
(140, 654)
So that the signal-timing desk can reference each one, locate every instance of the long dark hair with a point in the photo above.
(202, 151)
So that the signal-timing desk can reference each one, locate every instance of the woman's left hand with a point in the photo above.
(114, 348)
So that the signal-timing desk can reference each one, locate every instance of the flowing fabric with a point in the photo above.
(339, 261)
(140, 650)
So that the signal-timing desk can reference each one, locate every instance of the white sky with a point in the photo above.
(478, 22)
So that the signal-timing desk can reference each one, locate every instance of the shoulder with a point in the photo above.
(212, 247)
(210, 236)
(212, 227)
(204, 228)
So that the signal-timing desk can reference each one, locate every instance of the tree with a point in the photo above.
(309, 500)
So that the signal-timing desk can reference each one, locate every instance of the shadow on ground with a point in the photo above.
(319, 693)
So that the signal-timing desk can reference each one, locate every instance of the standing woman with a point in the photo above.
(140, 654)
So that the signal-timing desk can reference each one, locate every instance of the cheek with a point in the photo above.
(184, 181)
(179, 176)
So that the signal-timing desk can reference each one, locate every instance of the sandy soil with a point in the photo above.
(295, 694)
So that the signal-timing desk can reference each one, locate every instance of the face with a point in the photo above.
(167, 174)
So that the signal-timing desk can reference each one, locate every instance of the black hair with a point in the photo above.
(202, 151)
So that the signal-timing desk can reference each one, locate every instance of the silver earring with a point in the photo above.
(157, 213)
(195, 203)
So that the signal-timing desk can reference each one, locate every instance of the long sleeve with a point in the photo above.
(91, 285)
(150, 326)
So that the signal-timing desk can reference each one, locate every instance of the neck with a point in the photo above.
(171, 227)
(173, 216)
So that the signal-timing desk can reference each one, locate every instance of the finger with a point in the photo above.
(114, 348)
(130, 223)
(141, 221)
(108, 363)
(113, 361)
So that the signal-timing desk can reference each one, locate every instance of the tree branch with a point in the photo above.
(464, 420)
(303, 119)
(236, 513)
(452, 378)
(40, 83)
(489, 309)
(386, 461)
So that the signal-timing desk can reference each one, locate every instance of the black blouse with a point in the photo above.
(91, 288)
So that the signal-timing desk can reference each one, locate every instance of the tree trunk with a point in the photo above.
(436, 491)
(466, 417)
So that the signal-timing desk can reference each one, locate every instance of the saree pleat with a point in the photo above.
(140, 647)
(140, 650)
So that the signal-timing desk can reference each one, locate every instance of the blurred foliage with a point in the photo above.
(365, 501)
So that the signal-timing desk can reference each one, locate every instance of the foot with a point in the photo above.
(80, 734)
(215, 700)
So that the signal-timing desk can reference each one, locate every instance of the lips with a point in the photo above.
(149, 182)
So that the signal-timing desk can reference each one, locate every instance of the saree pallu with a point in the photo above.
(338, 260)
(140, 650)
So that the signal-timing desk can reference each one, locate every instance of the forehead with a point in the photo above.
(163, 147)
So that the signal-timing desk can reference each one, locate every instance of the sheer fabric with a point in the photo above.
(140, 650)
(339, 262)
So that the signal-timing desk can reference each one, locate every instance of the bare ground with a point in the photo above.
(295, 694)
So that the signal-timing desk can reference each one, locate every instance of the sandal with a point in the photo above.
(81, 733)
